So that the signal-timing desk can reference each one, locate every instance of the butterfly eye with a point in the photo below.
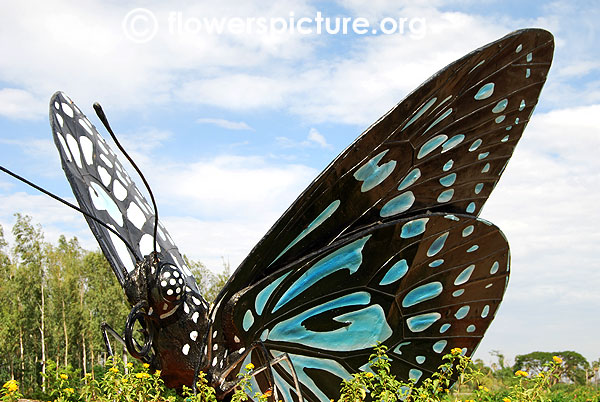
(170, 285)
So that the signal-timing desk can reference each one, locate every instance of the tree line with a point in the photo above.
(54, 298)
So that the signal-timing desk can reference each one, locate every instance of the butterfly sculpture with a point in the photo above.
(385, 245)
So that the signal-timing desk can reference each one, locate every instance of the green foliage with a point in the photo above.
(381, 385)
(10, 391)
(61, 382)
(209, 284)
(573, 369)
(244, 387)
(55, 296)
(204, 392)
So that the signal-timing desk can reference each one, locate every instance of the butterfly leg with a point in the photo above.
(138, 314)
(228, 386)
(107, 329)
(264, 357)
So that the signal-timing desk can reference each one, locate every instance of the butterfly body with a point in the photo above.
(384, 246)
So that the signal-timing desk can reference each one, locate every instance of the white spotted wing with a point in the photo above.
(105, 190)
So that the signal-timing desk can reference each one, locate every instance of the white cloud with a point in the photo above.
(228, 124)
(221, 207)
(546, 205)
(53, 217)
(314, 139)
(19, 104)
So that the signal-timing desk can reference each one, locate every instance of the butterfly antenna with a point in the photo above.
(67, 203)
(104, 120)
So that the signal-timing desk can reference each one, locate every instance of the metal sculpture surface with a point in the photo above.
(384, 246)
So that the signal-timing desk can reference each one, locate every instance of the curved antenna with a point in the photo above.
(104, 120)
(67, 203)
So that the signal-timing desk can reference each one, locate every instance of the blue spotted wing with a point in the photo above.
(435, 158)
(104, 190)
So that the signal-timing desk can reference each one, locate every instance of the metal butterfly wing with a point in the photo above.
(385, 245)
(160, 287)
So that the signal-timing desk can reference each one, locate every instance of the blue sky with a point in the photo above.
(229, 128)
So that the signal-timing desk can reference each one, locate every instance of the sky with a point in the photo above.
(230, 121)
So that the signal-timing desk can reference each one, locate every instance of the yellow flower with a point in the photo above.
(142, 375)
(557, 359)
(130, 365)
(481, 387)
(64, 376)
(124, 380)
(456, 351)
(146, 365)
(113, 369)
(506, 400)
(11, 385)
(157, 373)
(521, 373)
(369, 375)
(540, 375)
(486, 389)
(249, 366)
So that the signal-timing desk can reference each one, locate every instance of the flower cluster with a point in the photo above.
(11, 386)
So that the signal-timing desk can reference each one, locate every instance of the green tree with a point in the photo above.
(8, 313)
(29, 278)
(209, 283)
(573, 369)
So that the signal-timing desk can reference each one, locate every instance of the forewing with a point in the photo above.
(105, 191)
(443, 148)
(422, 286)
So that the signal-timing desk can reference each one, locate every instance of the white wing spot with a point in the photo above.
(102, 202)
(74, 147)
(236, 339)
(172, 282)
(185, 306)
(214, 334)
(214, 362)
(193, 335)
(146, 244)
(170, 292)
(119, 190)
(195, 317)
(215, 346)
(135, 215)
(86, 126)
(104, 176)
(56, 105)
(122, 252)
(59, 118)
(88, 149)
(105, 151)
(67, 109)
(64, 146)
(185, 349)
